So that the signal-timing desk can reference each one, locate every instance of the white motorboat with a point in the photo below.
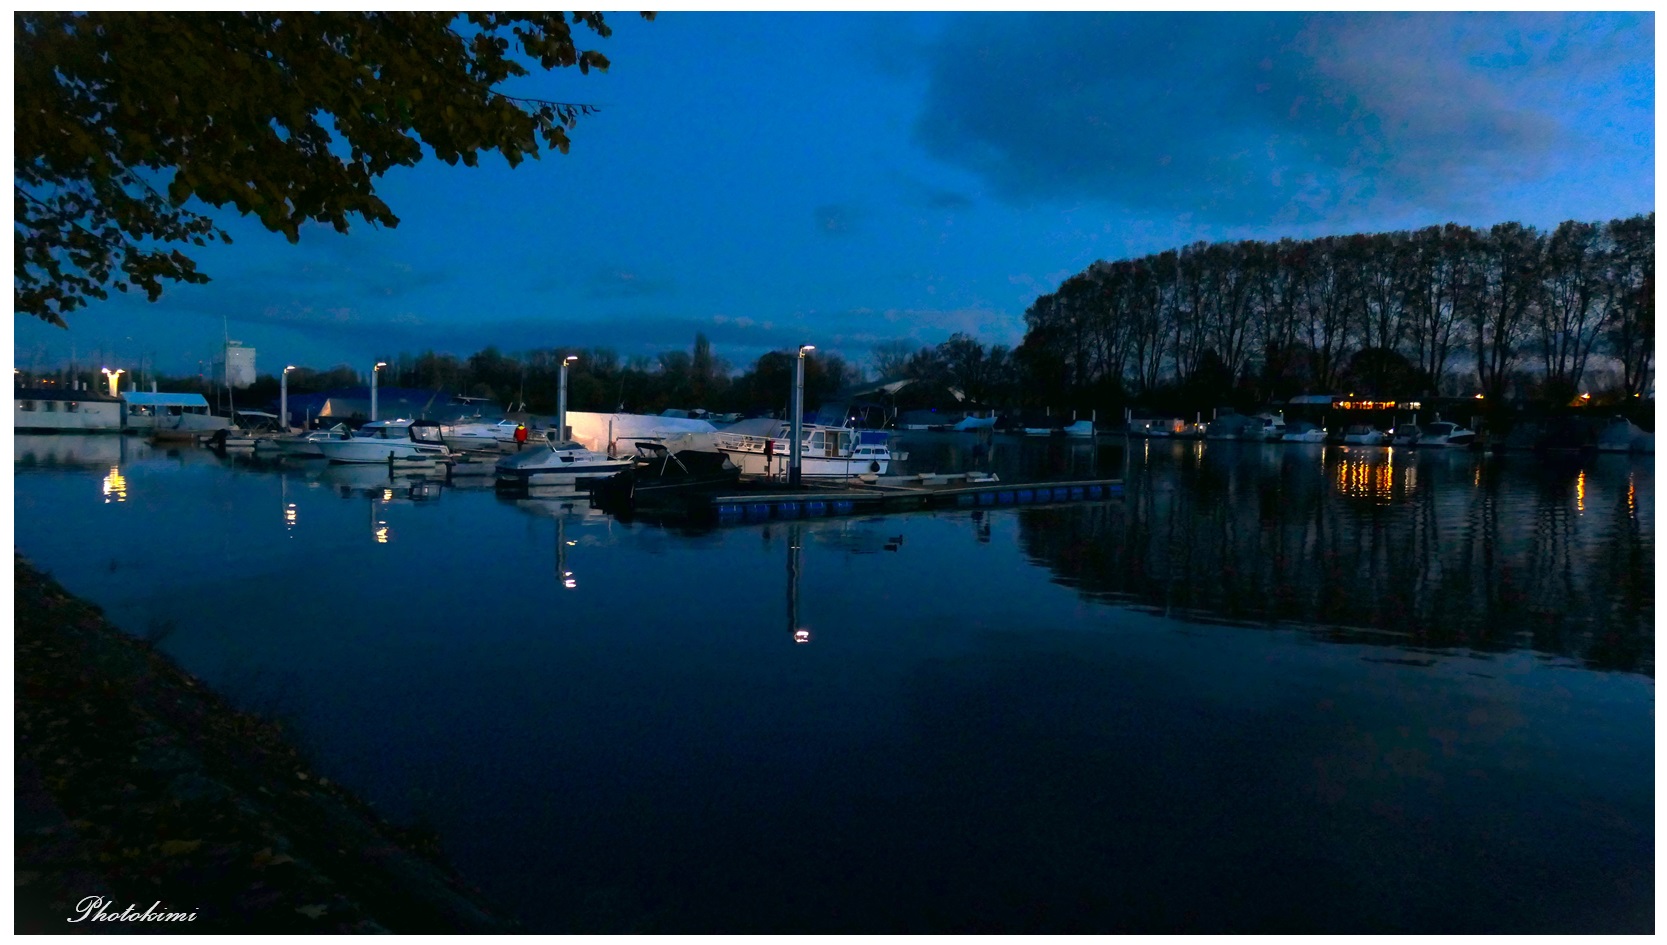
(1079, 428)
(760, 448)
(557, 463)
(1304, 433)
(970, 422)
(382, 440)
(306, 444)
(477, 434)
(1362, 435)
(1445, 433)
(1266, 426)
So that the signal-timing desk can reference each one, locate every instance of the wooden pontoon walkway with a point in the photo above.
(895, 494)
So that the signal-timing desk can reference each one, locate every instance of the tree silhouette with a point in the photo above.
(124, 119)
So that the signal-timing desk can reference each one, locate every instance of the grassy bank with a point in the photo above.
(138, 786)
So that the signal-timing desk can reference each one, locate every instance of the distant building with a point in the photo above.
(238, 365)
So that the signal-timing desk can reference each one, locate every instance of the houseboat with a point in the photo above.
(44, 410)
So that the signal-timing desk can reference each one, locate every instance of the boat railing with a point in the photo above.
(749, 443)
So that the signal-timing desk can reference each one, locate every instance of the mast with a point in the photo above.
(226, 370)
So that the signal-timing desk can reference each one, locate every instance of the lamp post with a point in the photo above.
(283, 398)
(794, 472)
(113, 375)
(561, 399)
(379, 366)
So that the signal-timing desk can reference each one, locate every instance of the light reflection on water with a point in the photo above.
(1004, 719)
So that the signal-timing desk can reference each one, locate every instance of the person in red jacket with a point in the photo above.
(520, 436)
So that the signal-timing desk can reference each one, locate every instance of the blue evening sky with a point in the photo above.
(773, 179)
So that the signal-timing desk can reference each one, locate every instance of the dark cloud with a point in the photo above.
(1263, 117)
(947, 200)
(627, 284)
(835, 219)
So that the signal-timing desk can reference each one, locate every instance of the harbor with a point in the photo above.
(497, 694)
(835, 473)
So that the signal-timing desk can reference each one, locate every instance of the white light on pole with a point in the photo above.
(113, 375)
(283, 398)
(561, 399)
(794, 472)
(379, 366)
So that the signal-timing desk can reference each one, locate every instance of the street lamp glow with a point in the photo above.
(373, 371)
(113, 376)
(804, 348)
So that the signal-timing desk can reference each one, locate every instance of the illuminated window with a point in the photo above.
(72, 407)
(26, 405)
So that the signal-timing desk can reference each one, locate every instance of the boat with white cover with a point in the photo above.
(824, 451)
(477, 434)
(381, 440)
(970, 422)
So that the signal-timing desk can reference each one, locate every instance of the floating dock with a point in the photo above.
(893, 494)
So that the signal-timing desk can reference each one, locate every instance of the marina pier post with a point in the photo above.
(379, 366)
(794, 446)
(561, 402)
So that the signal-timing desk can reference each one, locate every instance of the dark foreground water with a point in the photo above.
(1273, 689)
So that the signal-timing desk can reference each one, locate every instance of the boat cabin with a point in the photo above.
(416, 431)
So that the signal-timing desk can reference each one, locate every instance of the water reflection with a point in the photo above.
(1447, 549)
(1371, 474)
(795, 547)
(115, 486)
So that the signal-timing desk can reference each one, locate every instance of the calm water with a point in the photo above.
(1272, 689)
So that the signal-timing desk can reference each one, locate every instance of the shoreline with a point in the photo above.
(141, 791)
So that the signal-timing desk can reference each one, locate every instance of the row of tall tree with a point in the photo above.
(1444, 310)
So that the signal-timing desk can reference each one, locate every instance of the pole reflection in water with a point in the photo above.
(115, 486)
(795, 544)
(289, 507)
(568, 581)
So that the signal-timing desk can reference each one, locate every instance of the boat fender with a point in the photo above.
(874, 466)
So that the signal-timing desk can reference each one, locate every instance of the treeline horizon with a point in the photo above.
(1509, 312)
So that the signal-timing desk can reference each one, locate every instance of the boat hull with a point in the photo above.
(378, 450)
(827, 467)
(576, 478)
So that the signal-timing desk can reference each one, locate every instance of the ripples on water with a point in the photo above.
(1433, 710)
